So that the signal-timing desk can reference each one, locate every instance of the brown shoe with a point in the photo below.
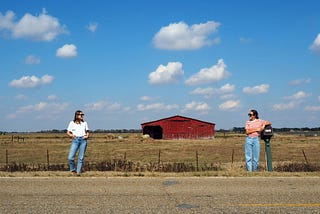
(73, 172)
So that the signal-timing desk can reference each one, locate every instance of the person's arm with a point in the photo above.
(266, 123)
(87, 134)
(250, 131)
(70, 134)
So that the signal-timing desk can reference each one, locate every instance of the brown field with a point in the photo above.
(225, 153)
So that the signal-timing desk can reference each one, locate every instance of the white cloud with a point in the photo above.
(208, 92)
(67, 51)
(31, 81)
(31, 60)
(103, 105)
(227, 88)
(145, 98)
(6, 20)
(209, 75)
(300, 81)
(245, 40)
(114, 106)
(92, 26)
(316, 44)
(42, 110)
(294, 101)
(21, 97)
(196, 106)
(227, 96)
(37, 107)
(229, 105)
(39, 28)
(52, 97)
(298, 96)
(312, 108)
(97, 106)
(285, 106)
(180, 36)
(157, 107)
(166, 74)
(53, 108)
(258, 89)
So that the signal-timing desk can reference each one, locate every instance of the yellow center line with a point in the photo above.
(279, 205)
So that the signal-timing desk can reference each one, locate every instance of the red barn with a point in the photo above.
(178, 127)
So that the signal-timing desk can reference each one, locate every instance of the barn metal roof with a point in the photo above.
(168, 118)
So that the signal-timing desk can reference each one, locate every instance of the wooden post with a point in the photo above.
(124, 165)
(159, 158)
(232, 156)
(48, 163)
(7, 160)
(305, 157)
(197, 159)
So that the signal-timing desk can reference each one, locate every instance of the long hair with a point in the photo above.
(75, 116)
(255, 113)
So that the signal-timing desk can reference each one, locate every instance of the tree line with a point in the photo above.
(234, 129)
(53, 131)
(304, 129)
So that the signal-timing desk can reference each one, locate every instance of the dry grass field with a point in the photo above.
(131, 153)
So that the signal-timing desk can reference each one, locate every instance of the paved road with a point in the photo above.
(159, 195)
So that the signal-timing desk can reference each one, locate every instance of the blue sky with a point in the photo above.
(124, 63)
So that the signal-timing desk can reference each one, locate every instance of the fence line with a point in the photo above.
(161, 166)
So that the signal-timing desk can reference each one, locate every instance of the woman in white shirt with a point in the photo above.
(79, 132)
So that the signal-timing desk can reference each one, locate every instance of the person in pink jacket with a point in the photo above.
(254, 126)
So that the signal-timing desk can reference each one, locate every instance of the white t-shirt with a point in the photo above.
(79, 130)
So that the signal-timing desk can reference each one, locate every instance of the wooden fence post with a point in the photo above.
(48, 163)
(197, 159)
(159, 158)
(7, 160)
(305, 157)
(232, 156)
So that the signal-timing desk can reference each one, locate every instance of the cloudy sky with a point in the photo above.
(125, 62)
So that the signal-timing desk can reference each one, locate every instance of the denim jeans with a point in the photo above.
(77, 144)
(252, 153)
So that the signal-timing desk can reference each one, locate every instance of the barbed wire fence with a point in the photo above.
(123, 164)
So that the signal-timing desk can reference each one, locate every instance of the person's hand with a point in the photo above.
(261, 128)
(268, 123)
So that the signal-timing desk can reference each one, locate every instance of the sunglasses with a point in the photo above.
(250, 115)
(81, 114)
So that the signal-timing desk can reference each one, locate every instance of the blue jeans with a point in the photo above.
(252, 153)
(77, 144)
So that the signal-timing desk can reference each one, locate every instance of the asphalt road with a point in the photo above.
(160, 195)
